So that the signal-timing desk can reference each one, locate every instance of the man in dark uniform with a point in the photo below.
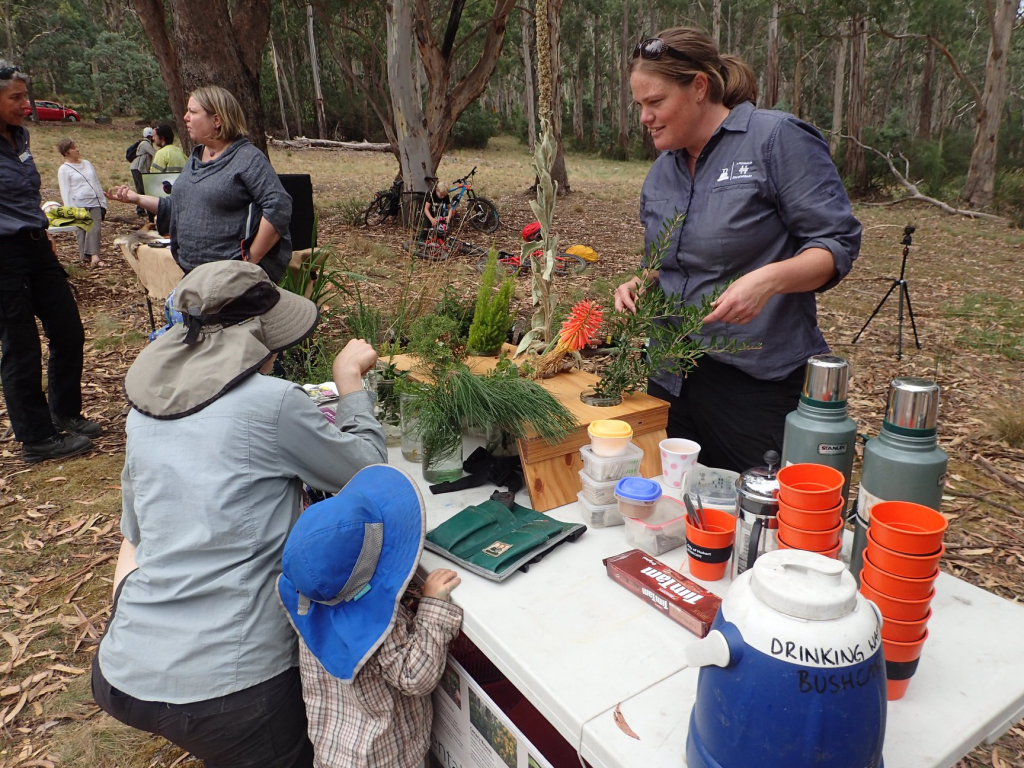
(34, 284)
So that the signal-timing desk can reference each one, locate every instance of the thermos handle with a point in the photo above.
(754, 542)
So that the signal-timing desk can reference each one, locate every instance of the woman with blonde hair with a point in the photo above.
(80, 188)
(228, 202)
(765, 214)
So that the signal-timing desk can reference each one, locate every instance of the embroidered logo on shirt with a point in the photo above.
(741, 169)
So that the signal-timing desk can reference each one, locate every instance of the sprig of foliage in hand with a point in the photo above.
(491, 319)
(452, 395)
(658, 335)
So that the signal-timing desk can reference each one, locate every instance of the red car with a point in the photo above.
(51, 110)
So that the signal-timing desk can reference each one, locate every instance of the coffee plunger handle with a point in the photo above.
(772, 459)
(754, 543)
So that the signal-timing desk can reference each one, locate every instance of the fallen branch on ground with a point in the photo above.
(301, 142)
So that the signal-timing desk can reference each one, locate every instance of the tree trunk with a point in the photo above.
(211, 45)
(770, 95)
(314, 63)
(280, 92)
(598, 95)
(838, 84)
(410, 124)
(529, 96)
(622, 141)
(577, 107)
(981, 175)
(716, 22)
(798, 77)
(924, 115)
(855, 166)
(291, 83)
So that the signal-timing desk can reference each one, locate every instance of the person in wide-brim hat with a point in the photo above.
(197, 648)
(368, 664)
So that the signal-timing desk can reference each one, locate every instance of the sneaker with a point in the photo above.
(56, 447)
(77, 425)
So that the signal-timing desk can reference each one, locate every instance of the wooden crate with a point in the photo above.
(552, 471)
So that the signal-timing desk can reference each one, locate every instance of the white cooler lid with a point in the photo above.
(805, 585)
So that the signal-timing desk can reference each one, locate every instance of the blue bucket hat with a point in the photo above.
(347, 563)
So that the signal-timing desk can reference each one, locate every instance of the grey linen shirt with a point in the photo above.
(208, 501)
(144, 156)
(215, 208)
(19, 187)
(765, 189)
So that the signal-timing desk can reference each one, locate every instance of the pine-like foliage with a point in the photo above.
(491, 319)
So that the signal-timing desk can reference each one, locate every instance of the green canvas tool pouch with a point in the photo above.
(494, 541)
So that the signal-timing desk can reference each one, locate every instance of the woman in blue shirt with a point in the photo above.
(765, 208)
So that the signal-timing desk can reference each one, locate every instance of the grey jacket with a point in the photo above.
(215, 208)
(143, 156)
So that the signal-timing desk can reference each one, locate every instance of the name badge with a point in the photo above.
(25, 156)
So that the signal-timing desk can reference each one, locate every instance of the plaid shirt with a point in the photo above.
(383, 718)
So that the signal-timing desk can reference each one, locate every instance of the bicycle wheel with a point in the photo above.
(433, 250)
(483, 216)
(508, 264)
(377, 212)
(569, 264)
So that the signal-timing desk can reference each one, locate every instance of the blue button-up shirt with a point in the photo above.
(764, 190)
(20, 204)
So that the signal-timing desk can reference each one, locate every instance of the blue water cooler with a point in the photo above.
(792, 673)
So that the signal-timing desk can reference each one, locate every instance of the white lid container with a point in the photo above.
(597, 515)
(602, 468)
(664, 530)
(717, 487)
(599, 493)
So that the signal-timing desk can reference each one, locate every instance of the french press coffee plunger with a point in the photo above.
(757, 508)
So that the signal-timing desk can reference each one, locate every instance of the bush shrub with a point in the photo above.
(474, 128)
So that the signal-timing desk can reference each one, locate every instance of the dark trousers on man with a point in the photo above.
(34, 284)
(141, 189)
(735, 417)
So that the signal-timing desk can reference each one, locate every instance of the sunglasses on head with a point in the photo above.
(8, 72)
(654, 48)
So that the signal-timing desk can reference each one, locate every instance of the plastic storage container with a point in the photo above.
(609, 437)
(597, 515)
(601, 468)
(600, 493)
(665, 529)
(637, 496)
(717, 487)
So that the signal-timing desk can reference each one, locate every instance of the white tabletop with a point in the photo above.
(577, 644)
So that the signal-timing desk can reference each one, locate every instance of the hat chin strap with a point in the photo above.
(358, 583)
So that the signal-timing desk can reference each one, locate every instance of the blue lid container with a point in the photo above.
(638, 489)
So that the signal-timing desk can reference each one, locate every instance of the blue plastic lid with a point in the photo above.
(638, 489)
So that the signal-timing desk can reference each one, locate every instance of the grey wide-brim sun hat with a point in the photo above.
(235, 318)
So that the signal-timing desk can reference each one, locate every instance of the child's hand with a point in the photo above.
(440, 583)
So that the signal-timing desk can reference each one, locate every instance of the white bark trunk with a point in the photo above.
(321, 118)
(410, 125)
(280, 93)
(837, 93)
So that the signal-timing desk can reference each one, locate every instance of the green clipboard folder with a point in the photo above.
(494, 541)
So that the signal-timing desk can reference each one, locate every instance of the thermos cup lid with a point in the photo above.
(913, 403)
(805, 585)
(826, 379)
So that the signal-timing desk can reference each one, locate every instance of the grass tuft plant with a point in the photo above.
(491, 318)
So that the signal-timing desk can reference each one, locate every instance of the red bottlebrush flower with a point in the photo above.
(581, 326)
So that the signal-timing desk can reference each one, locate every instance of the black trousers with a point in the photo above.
(141, 189)
(735, 417)
(34, 284)
(263, 726)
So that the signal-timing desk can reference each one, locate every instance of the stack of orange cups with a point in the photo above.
(811, 509)
(901, 563)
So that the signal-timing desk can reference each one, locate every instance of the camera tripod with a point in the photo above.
(901, 283)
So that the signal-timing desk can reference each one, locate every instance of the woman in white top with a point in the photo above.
(81, 188)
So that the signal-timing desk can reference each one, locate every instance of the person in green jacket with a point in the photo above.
(169, 158)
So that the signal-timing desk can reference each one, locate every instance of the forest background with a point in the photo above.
(913, 78)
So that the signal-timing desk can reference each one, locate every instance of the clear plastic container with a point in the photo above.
(717, 487)
(637, 496)
(599, 516)
(599, 493)
(664, 530)
(601, 468)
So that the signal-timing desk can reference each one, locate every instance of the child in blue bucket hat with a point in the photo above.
(368, 664)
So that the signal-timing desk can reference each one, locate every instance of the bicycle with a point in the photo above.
(386, 205)
(513, 263)
(480, 212)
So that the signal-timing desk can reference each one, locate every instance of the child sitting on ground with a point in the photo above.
(368, 664)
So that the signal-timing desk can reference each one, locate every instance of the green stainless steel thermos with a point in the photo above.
(904, 463)
(819, 431)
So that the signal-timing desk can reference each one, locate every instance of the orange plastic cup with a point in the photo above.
(897, 586)
(907, 527)
(709, 549)
(901, 661)
(812, 541)
(812, 519)
(832, 553)
(894, 607)
(810, 486)
(905, 631)
(902, 564)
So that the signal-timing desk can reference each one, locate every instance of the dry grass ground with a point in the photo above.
(59, 522)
